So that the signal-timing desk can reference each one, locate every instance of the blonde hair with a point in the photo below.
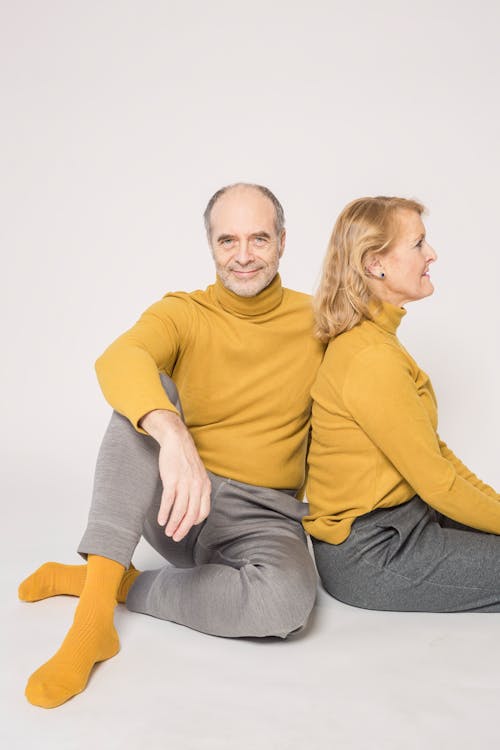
(367, 225)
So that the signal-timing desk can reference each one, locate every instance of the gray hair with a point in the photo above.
(279, 221)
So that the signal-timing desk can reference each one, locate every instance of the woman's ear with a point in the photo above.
(373, 266)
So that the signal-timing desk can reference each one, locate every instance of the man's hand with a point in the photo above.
(185, 501)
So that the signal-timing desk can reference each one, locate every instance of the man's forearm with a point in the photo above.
(128, 370)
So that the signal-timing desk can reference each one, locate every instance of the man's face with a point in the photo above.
(244, 241)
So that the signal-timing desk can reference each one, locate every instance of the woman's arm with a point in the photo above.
(465, 472)
(381, 395)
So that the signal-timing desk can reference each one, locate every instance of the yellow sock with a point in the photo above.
(92, 638)
(54, 579)
(128, 579)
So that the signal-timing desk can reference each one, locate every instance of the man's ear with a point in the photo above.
(282, 241)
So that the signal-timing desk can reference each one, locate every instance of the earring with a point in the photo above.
(382, 275)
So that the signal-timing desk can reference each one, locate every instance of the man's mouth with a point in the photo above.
(245, 272)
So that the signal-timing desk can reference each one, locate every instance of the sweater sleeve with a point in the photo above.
(382, 397)
(466, 473)
(129, 370)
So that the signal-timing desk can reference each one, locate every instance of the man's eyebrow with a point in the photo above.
(263, 233)
(421, 236)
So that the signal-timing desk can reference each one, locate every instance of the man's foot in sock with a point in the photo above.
(56, 579)
(92, 638)
(53, 579)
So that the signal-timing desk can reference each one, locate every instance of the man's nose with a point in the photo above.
(244, 254)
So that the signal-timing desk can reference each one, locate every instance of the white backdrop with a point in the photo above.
(120, 118)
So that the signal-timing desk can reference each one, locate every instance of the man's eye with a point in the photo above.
(259, 240)
(420, 244)
(227, 242)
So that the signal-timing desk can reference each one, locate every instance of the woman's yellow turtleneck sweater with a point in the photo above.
(374, 440)
(243, 367)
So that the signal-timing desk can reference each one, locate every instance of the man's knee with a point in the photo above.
(287, 598)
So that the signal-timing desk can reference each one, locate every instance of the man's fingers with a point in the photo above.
(167, 500)
(188, 520)
(204, 509)
(178, 511)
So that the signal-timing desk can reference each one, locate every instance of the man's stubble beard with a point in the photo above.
(251, 288)
(246, 289)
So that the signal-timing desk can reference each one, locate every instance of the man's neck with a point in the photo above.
(259, 304)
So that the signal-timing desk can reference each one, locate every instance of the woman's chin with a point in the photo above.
(427, 287)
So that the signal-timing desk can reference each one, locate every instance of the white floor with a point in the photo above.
(354, 679)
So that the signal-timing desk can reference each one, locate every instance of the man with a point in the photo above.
(213, 388)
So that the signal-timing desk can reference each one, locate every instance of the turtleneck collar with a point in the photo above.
(388, 317)
(262, 303)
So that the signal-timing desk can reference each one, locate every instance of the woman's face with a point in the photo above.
(405, 266)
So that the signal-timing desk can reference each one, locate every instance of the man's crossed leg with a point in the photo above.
(245, 571)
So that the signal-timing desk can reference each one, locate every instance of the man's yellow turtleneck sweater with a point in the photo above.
(243, 367)
(374, 440)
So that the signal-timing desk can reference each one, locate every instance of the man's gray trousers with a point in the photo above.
(245, 571)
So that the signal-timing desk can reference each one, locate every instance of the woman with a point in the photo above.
(397, 521)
